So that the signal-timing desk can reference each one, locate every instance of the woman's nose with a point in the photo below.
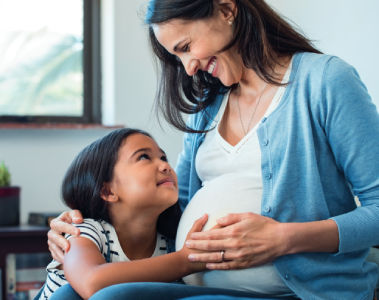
(191, 66)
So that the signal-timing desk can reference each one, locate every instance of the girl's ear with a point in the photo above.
(107, 194)
(227, 9)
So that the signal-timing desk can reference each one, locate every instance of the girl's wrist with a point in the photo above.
(184, 262)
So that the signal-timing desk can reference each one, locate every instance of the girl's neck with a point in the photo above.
(137, 236)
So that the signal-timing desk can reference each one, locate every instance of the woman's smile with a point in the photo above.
(211, 67)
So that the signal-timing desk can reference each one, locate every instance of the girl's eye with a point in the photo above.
(143, 156)
(164, 158)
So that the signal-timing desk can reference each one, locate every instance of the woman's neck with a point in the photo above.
(251, 84)
(137, 236)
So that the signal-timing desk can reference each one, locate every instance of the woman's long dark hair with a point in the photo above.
(261, 36)
(92, 167)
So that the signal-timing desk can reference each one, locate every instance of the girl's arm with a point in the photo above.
(87, 271)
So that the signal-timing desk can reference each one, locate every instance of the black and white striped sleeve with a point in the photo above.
(90, 230)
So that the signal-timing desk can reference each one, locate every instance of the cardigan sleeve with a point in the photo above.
(351, 124)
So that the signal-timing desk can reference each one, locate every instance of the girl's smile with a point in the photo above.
(142, 176)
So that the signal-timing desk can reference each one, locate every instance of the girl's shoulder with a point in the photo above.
(94, 230)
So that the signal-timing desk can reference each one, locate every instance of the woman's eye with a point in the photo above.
(143, 157)
(186, 48)
(164, 158)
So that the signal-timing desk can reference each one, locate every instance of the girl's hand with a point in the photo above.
(62, 224)
(185, 251)
(247, 239)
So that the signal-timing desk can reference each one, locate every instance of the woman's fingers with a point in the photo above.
(228, 265)
(56, 252)
(230, 219)
(213, 234)
(58, 240)
(62, 224)
(58, 226)
(207, 245)
(76, 216)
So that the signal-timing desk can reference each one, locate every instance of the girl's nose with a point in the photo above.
(164, 167)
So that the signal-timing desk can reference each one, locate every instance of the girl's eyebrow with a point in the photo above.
(145, 150)
(140, 150)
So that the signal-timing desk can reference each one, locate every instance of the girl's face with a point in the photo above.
(142, 177)
(197, 44)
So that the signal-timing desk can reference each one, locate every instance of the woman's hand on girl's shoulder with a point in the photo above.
(59, 226)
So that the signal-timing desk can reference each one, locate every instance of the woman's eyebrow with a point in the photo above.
(177, 45)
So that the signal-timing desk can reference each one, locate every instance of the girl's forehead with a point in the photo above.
(138, 141)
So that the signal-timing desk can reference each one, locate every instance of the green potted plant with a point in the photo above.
(9, 199)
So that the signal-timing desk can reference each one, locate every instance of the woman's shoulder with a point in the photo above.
(316, 64)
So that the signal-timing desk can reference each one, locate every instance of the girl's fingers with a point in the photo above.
(199, 224)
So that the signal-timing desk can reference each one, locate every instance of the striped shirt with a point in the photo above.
(104, 236)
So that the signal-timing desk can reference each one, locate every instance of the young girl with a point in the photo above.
(121, 183)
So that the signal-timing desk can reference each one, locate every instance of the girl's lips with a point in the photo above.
(166, 181)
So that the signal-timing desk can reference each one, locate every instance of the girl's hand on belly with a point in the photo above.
(247, 239)
(193, 266)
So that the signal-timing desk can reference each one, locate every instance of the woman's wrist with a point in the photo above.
(317, 236)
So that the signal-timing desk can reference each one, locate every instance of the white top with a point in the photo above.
(232, 183)
(104, 236)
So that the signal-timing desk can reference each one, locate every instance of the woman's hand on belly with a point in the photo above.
(247, 239)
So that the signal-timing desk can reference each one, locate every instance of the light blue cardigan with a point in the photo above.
(320, 147)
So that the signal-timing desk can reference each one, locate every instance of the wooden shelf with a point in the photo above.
(20, 239)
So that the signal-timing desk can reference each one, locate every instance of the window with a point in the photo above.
(50, 61)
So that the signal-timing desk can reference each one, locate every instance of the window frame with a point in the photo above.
(91, 75)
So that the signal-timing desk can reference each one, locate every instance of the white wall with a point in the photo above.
(39, 158)
(346, 28)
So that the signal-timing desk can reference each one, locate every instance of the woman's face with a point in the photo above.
(142, 177)
(198, 43)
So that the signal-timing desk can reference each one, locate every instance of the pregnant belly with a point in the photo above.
(217, 201)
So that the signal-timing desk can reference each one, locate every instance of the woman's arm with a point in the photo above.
(350, 123)
(249, 239)
(62, 224)
(87, 271)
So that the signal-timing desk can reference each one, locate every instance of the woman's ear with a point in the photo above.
(227, 9)
(107, 194)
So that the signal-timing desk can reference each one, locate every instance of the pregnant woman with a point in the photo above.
(279, 142)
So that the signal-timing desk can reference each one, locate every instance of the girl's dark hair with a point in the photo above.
(92, 167)
(261, 36)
